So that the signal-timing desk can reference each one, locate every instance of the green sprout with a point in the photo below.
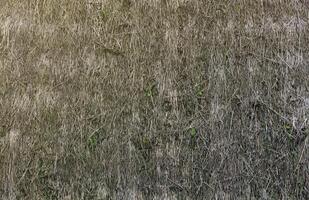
(104, 14)
(92, 142)
(193, 132)
(199, 90)
(151, 90)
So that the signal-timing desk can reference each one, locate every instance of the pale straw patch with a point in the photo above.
(13, 138)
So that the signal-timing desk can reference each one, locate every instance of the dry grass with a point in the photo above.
(161, 99)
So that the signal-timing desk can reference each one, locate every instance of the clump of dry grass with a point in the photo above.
(154, 99)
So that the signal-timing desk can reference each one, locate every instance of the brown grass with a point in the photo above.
(161, 99)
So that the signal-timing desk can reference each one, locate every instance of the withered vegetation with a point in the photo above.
(154, 99)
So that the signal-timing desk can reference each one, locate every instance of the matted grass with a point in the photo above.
(156, 99)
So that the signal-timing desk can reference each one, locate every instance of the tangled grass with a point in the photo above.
(160, 99)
